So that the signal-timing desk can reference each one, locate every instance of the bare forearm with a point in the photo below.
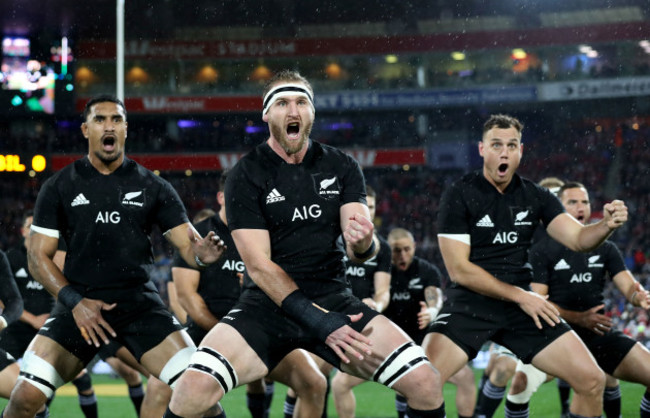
(274, 281)
(47, 273)
(197, 309)
(480, 281)
(592, 236)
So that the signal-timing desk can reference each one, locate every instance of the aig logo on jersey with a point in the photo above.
(133, 199)
(505, 238)
(326, 185)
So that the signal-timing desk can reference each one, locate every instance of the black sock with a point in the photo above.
(489, 399)
(612, 402)
(289, 406)
(136, 393)
(268, 397)
(88, 405)
(255, 403)
(434, 413)
(44, 414)
(565, 392)
(170, 414)
(516, 410)
(645, 405)
(400, 405)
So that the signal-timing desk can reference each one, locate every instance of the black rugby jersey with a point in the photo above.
(362, 275)
(299, 204)
(576, 281)
(106, 221)
(9, 294)
(501, 226)
(406, 293)
(36, 298)
(219, 284)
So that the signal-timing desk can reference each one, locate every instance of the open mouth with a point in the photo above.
(502, 169)
(293, 130)
(108, 143)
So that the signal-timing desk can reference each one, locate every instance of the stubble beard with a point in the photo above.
(290, 147)
(107, 159)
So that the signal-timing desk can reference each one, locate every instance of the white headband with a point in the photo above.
(284, 90)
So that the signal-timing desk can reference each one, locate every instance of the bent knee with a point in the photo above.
(519, 383)
(315, 383)
(590, 382)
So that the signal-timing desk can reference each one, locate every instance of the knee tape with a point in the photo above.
(176, 366)
(400, 362)
(83, 383)
(211, 362)
(40, 374)
(534, 379)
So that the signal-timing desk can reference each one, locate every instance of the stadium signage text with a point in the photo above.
(13, 163)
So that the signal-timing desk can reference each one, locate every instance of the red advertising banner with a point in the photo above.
(219, 161)
(186, 104)
(166, 50)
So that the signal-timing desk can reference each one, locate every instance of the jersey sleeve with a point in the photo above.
(9, 293)
(384, 256)
(243, 208)
(614, 261)
(539, 261)
(48, 213)
(431, 275)
(551, 207)
(354, 186)
(452, 217)
(171, 211)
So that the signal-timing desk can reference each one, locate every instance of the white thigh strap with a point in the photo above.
(401, 361)
(40, 373)
(176, 366)
(210, 361)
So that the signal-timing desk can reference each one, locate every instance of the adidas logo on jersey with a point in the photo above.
(274, 196)
(562, 265)
(485, 222)
(80, 200)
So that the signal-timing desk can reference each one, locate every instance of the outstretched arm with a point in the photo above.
(455, 254)
(197, 251)
(572, 234)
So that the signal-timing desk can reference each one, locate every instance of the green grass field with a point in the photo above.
(373, 400)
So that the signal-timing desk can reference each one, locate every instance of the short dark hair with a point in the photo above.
(570, 185)
(286, 75)
(101, 99)
(222, 180)
(502, 121)
(370, 192)
(27, 214)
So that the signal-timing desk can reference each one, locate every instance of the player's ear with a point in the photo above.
(84, 130)
(265, 117)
